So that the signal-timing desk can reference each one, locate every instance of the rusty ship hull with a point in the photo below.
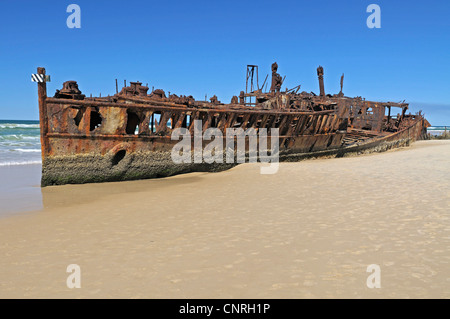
(128, 136)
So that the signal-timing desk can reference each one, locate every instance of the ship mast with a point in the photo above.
(251, 70)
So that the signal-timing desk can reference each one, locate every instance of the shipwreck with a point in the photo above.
(127, 136)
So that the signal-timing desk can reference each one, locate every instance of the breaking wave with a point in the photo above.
(20, 163)
(21, 126)
(27, 150)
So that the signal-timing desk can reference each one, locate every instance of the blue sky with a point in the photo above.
(203, 47)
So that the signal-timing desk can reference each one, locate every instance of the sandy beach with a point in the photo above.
(309, 231)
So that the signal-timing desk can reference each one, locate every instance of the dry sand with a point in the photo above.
(309, 231)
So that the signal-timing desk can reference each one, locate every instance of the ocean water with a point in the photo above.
(438, 130)
(20, 143)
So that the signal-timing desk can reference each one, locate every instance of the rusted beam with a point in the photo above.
(180, 119)
(291, 128)
(162, 126)
(231, 120)
(42, 96)
(282, 124)
(194, 116)
(70, 102)
(222, 121)
(245, 120)
(207, 121)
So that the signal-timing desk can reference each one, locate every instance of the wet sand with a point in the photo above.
(309, 231)
(20, 189)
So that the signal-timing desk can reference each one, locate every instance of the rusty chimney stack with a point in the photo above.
(321, 85)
